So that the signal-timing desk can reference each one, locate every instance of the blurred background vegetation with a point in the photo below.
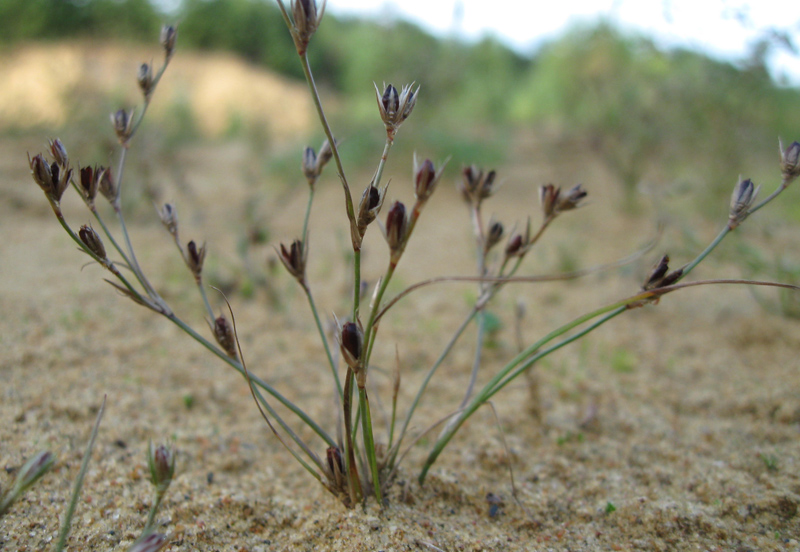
(649, 115)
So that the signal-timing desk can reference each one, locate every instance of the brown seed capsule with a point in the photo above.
(396, 226)
(369, 207)
(92, 241)
(514, 246)
(168, 37)
(294, 260)
(195, 258)
(351, 341)
(223, 333)
(790, 161)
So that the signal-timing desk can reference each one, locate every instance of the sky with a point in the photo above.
(723, 29)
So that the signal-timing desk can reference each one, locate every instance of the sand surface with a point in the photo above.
(674, 427)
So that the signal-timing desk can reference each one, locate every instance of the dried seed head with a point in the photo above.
(336, 467)
(31, 471)
(426, 177)
(659, 276)
(169, 35)
(790, 161)
(744, 194)
(396, 226)
(169, 218)
(306, 18)
(151, 542)
(161, 461)
(89, 184)
(477, 185)
(548, 198)
(494, 236)
(394, 106)
(59, 153)
(351, 341)
(309, 165)
(294, 260)
(514, 246)
(92, 241)
(369, 207)
(195, 258)
(122, 121)
(105, 183)
(223, 333)
(145, 79)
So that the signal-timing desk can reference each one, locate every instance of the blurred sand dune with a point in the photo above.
(43, 84)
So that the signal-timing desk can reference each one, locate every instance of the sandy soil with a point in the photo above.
(674, 427)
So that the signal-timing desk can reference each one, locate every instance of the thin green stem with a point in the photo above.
(356, 282)
(258, 381)
(369, 442)
(151, 516)
(329, 134)
(324, 340)
(204, 295)
(689, 267)
(66, 523)
(354, 483)
(481, 397)
(308, 216)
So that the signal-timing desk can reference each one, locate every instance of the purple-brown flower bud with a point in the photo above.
(161, 462)
(395, 107)
(150, 542)
(31, 471)
(496, 232)
(145, 79)
(40, 170)
(744, 194)
(659, 277)
(514, 246)
(294, 260)
(325, 154)
(223, 333)
(571, 199)
(351, 341)
(89, 184)
(306, 21)
(105, 183)
(396, 226)
(169, 35)
(195, 257)
(92, 241)
(122, 121)
(169, 218)
(309, 165)
(426, 177)
(477, 185)
(59, 152)
(790, 161)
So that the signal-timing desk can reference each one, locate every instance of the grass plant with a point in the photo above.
(358, 462)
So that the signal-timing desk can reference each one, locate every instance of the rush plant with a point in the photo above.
(358, 463)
